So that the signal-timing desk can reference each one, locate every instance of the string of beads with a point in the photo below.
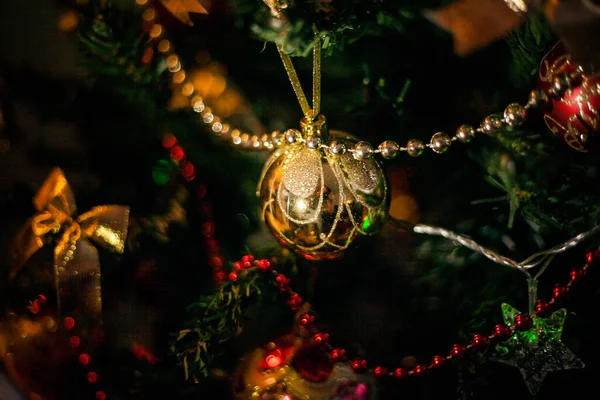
(514, 114)
(479, 342)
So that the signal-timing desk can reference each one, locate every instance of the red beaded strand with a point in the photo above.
(69, 324)
(188, 172)
(501, 332)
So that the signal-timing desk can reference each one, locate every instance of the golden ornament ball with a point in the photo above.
(316, 199)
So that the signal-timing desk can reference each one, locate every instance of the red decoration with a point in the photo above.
(480, 342)
(168, 140)
(543, 309)
(523, 322)
(313, 363)
(295, 302)
(274, 359)
(380, 371)
(84, 359)
(69, 323)
(458, 350)
(142, 353)
(74, 341)
(558, 291)
(232, 276)
(502, 332)
(177, 154)
(420, 370)
(337, 354)
(359, 365)
(321, 338)
(574, 117)
(100, 395)
(92, 377)
(306, 320)
(400, 373)
(437, 361)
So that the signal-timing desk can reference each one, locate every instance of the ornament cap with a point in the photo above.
(315, 128)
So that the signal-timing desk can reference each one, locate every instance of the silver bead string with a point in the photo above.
(514, 114)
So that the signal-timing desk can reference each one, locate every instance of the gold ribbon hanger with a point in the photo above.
(76, 262)
(310, 114)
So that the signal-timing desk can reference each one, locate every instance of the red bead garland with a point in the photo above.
(480, 342)
(70, 324)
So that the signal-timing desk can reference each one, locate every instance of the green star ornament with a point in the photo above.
(538, 350)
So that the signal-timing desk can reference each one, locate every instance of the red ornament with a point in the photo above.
(168, 140)
(380, 371)
(313, 363)
(232, 276)
(263, 265)
(458, 350)
(523, 322)
(92, 377)
(400, 373)
(480, 342)
(359, 365)
(306, 320)
(558, 291)
(575, 275)
(74, 341)
(338, 354)
(69, 323)
(100, 395)
(84, 359)
(543, 309)
(437, 361)
(283, 282)
(502, 332)
(295, 301)
(575, 116)
(420, 370)
(321, 338)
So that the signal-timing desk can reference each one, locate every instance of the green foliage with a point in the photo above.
(528, 43)
(217, 319)
(339, 22)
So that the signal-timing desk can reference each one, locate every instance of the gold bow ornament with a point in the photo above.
(76, 263)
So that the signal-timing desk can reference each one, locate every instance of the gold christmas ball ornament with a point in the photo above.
(321, 190)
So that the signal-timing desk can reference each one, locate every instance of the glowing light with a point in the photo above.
(156, 30)
(68, 21)
(161, 172)
(74, 341)
(301, 205)
(69, 323)
(177, 154)
(84, 359)
(169, 141)
(274, 359)
(92, 377)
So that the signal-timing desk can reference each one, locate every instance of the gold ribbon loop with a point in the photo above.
(76, 262)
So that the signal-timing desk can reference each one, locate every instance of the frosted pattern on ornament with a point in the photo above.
(302, 172)
(361, 174)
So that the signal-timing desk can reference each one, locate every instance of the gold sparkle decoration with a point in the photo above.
(316, 203)
(76, 263)
(181, 9)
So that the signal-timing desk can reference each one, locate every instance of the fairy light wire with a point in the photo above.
(535, 260)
